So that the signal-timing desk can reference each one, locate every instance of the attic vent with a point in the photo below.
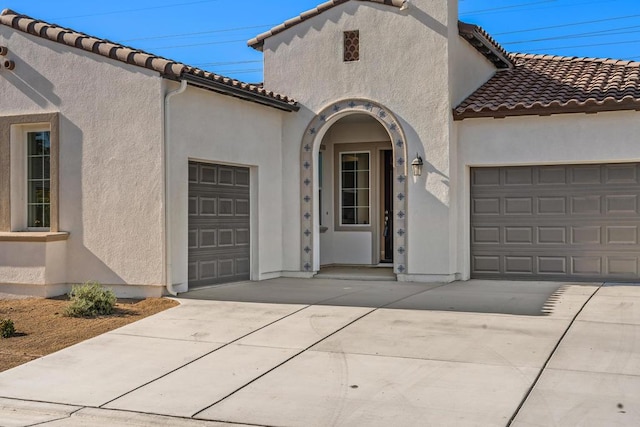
(351, 46)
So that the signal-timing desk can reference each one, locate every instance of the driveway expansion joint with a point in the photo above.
(310, 346)
(202, 356)
(553, 351)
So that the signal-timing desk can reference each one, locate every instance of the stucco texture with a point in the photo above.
(209, 127)
(306, 63)
(110, 180)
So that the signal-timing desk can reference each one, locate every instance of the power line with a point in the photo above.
(584, 45)
(215, 64)
(223, 30)
(573, 24)
(499, 9)
(473, 12)
(243, 71)
(603, 33)
(197, 44)
(115, 12)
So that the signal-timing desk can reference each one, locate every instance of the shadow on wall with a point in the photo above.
(36, 87)
(475, 296)
(82, 263)
(413, 11)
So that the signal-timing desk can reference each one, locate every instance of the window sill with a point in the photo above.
(33, 236)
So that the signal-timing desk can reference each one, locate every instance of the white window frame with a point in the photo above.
(340, 190)
(20, 178)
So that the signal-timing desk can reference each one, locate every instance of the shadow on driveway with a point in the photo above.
(474, 296)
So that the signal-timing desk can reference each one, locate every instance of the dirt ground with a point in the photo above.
(41, 327)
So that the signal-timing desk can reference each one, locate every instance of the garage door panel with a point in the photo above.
(551, 265)
(626, 204)
(518, 264)
(552, 206)
(622, 174)
(518, 206)
(485, 177)
(622, 266)
(486, 235)
(550, 235)
(581, 175)
(483, 206)
(622, 235)
(552, 175)
(556, 222)
(219, 224)
(518, 176)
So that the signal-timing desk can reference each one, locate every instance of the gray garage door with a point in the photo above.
(555, 222)
(219, 250)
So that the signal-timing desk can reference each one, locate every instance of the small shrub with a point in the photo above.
(89, 300)
(7, 329)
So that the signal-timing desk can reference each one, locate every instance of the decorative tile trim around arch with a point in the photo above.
(311, 144)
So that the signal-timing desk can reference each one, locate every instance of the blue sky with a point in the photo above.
(212, 34)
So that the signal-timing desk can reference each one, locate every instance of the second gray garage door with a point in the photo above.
(556, 222)
(219, 249)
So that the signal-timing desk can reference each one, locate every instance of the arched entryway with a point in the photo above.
(310, 149)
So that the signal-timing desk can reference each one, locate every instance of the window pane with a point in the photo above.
(348, 215)
(46, 218)
(36, 192)
(355, 194)
(362, 160)
(362, 198)
(36, 215)
(362, 180)
(363, 215)
(348, 180)
(349, 162)
(38, 179)
(46, 167)
(35, 167)
(349, 198)
(38, 143)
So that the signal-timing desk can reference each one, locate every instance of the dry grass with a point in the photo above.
(41, 327)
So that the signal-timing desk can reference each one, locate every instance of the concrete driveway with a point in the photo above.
(292, 352)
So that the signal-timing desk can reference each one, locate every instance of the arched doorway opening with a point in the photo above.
(354, 188)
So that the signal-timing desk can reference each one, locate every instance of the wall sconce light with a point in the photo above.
(416, 165)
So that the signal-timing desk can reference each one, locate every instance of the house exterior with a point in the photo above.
(149, 175)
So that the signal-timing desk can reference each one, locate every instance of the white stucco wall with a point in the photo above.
(209, 127)
(532, 140)
(110, 177)
(469, 70)
(405, 70)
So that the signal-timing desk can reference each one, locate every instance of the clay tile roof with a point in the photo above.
(258, 41)
(166, 67)
(547, 84)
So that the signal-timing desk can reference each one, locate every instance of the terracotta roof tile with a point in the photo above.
(166, 67)
(547, 84)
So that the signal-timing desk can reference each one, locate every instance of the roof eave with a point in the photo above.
(225, 89)
(488, 47)
(590, 108)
